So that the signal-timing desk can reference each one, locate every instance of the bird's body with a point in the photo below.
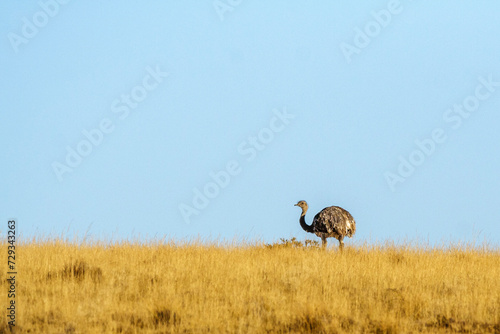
(330, 222)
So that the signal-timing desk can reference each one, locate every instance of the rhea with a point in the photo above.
(330, 222)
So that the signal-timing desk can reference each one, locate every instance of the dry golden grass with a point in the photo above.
(194, 288)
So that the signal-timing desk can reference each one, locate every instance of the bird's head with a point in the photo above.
(302, 204)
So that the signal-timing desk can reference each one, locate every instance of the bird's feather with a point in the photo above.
(334, 222)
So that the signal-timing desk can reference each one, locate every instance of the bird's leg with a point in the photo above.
(341, 244)
(323, 241)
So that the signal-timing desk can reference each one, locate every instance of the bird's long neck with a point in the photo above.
(303, 224)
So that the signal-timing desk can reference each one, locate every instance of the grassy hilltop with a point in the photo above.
(286, 288)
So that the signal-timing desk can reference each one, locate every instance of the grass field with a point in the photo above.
(287, 288)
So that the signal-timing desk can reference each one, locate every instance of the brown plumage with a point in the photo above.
(330, 222)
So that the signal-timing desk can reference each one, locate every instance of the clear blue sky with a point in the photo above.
(388, 109)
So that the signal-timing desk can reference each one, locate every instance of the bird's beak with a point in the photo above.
(295, 205)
